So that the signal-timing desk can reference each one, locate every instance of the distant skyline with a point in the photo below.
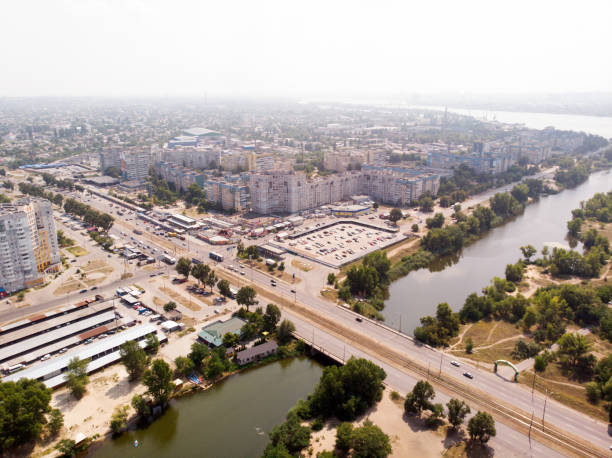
(316, 49)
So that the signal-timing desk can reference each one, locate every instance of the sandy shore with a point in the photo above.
(408, 435)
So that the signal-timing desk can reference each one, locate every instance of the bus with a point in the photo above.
(168, 259)
(233, 291)
(215, 257)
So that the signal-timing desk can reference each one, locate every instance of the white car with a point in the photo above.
(455, 363)
(46, 357)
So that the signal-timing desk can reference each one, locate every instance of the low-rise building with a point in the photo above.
(213, 333)
(256, 353)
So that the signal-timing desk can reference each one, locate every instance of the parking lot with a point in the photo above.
(341, 243)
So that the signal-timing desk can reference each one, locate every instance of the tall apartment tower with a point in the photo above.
(135, 165)
(28, 243)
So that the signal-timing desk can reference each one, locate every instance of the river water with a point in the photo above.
(230, 420)
(543, 222)
(598, 125)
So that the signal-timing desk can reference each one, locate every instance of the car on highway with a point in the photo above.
(293, 291)
(455, 363)
(93, 288)
(359, 319)
(468, 375)
(82, 291)
(46, 357)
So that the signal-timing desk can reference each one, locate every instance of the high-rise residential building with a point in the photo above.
(343, 161)
(488, 162)
(194, 158)
(261, 162)
(28, 243)
(109, 159)
(135, 165)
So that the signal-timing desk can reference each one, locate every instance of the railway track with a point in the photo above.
(520, 420)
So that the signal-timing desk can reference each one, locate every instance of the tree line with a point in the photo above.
(90, 215)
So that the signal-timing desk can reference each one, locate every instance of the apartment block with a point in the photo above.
(260, 162)
(135, 165)
(28, 243)
(491, 162)
(343, 161)
(181, 177)
(230, 196)
(109, 159)
(398, 185)
(194, 158)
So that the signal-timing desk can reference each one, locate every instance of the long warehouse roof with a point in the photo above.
(60, 362)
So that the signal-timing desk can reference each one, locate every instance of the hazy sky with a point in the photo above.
(302, 48)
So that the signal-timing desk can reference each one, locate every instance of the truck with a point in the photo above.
(215, 256)
(171, 234)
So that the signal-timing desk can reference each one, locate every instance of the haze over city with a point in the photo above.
(319, 49)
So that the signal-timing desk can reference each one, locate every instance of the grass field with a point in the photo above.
(76, 251)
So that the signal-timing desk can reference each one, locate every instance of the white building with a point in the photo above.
(28, 243)
(135, 165)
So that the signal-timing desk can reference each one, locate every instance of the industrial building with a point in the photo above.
(28, 243)
(100, 354)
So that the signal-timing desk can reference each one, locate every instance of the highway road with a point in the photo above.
(496, 386)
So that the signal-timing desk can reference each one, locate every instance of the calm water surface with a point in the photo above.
(229, 420)
(543, 222)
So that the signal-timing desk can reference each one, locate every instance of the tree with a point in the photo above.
(240, 248)
(419, 398)
(246, 296)
(56, 422)
(436, 221)
(540, 363)
(457, 411)
(158, 380)
(426, 204)
(183, 267)
(331, 278)
(574, 226)
(76, 377)
(215, 367)
(573, 349)
(211, 280)
(481, 427)
(375, 205)
(514, 272)
(271, 317)
(67, 447)
(224, 288)
(285, 331)
(395, 215)
(347, 391)
(415, 228)
(152, 344)
(528, 252)
(200, 272)
(230, 339)
(198, 352)
(291, 434)
(520, 192)
(169, 306)
(469, 345)
(184, 366)
(119, 419)
(369, 441)
(134, 359)
(343, 436)
(141, 406)
(437, 412)
(23, 407)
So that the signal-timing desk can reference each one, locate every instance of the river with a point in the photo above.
(598, 125)
(230, 420)
(543, 222)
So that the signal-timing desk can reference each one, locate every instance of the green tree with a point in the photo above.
(67, 448)
(141, 406)
(198, 352)
(291, 434)
(169, 306)
(540, 363)
(271, 317)
(23, 407)
(200, 272)
(593, 392)
(76, 376)
(152, 344)
(344, 432)
(246, 296)
(469, 345)
(158, 380)
(119, 419)
(395, 215)
(419, 398)
(331, 278)
(573, 349)
(183, 266)
(230, 339)
(56, 422)
(224, 288)
(514, 272)
(528, 252)
(184, 366)
(215, 368)
(134, 359)
(369, 441)
(520, 192)
(457, 411)
(426, 204)
(574, 226)
(481, 427)
(435, 417)
(415, 228)
(211, 280)
(436, 221)
(285, 331)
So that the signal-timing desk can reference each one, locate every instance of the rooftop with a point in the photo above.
(214, 332)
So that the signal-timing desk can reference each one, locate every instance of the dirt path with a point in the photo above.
(482, 347)
(491, 332)
(467, 328)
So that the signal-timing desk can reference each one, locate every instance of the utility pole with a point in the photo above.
(533, 385)
(441, 355)
(544, 412)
